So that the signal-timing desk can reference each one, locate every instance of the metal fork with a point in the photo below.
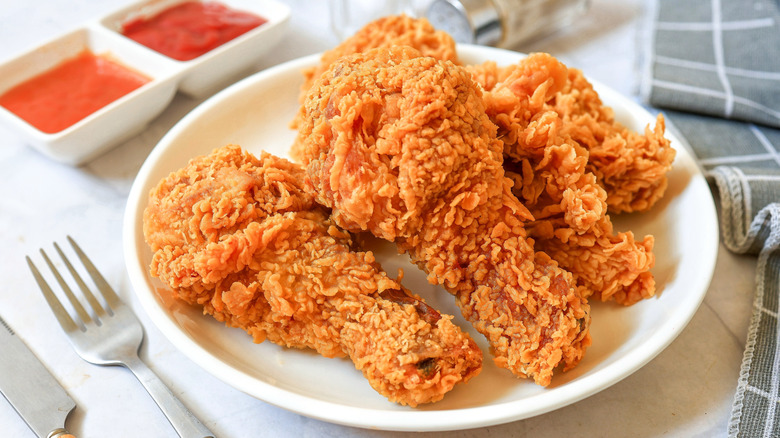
(113, 337)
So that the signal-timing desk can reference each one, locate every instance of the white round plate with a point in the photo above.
(255, 113)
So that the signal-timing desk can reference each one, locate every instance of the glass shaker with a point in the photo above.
(501, 23)
(349, 16)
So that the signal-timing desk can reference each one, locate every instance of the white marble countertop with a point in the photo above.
(685, 391)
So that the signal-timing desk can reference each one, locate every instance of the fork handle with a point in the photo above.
(185, 423)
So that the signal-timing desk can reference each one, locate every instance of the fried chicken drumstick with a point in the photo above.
(399, 144)
(239, 236)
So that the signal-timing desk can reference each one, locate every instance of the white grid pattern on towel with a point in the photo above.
(720, 67)
(734, 159)
(715, 93)
(701, 62)
(706, 27)
(731, 71)
(765, 143)
(771, 414)
(718, 27)
(736, 194)
(771, 154)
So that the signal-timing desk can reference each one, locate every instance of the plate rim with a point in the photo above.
(401, 420)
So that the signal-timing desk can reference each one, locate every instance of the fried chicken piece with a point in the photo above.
(552, 176)
(394, 30)
(631, 166)
(239, 236)
(607, 265)
(549, 167)
(488, 74)
(399, 144)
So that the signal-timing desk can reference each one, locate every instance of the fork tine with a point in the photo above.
(108, 292)
(116, 341)
(68, 292)
(59, 311)
(93, 302)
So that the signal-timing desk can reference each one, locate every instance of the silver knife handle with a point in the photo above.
(59, 433)
(185, 423)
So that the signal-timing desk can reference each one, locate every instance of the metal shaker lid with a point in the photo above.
(467, 21)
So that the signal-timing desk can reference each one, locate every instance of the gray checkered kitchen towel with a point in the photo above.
(714, 68)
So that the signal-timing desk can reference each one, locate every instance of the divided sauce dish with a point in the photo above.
(126, 116)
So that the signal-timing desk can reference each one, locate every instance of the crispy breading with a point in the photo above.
(394, 30)
(390, 31)
(239, 236)
(554, 177)
(631, 166)
(399, 144)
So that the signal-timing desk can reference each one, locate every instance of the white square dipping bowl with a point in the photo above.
(215, 68)
(106, 127)
(128, 115)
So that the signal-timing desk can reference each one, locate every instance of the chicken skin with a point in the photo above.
(554, 177)
(390, 31)
(239, 236)
(631, 166)
(399, 144)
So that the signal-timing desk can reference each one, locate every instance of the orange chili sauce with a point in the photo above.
(60, 97)
(188, 30)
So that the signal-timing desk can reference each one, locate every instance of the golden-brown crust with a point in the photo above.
(631, 166)
(395, 30)
(533, 103)
(390, 31)
(399, 144)
(238, 235)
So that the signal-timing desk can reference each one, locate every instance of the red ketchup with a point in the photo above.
(188, 30)
(60, 97)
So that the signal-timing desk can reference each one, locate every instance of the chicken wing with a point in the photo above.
(239, 236)
(554, 177)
